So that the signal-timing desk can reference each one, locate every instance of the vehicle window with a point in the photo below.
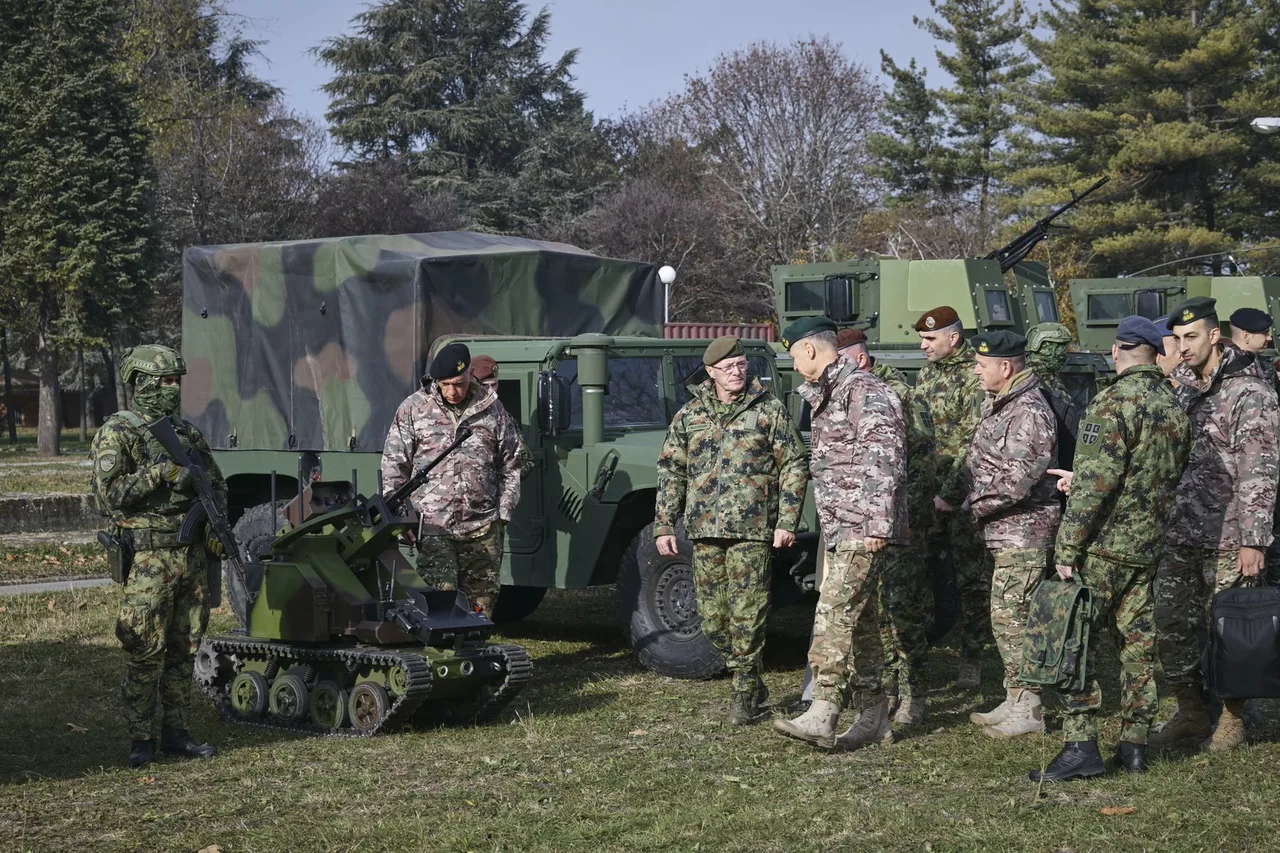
(689, 368)
(998, 306)
(635, 395)
(1150, 305)
(806, 295)
(509, 394)
(1106, 307)
(1046, 307)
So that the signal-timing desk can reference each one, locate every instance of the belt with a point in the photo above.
(148, 539)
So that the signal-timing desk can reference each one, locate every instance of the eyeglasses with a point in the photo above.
(734, 367)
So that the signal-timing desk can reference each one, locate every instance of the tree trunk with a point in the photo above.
(10, 414)
(110, 364)
(49, 432)
(122, 393)
(84, 396)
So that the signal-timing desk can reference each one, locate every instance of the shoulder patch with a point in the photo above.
(107, 462)
(1090, 431)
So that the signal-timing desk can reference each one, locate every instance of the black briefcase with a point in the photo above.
(1242, 659)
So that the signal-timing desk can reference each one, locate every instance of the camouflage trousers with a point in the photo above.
(847, 654)
(164, 612)
(1121, 593)
(1186, 582)
(732, 580)
(470, 563)
(956, 533)
(905, 597)
(1016, 572)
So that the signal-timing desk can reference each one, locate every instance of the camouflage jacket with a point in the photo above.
(1012, 496)
(858, 456)
(922, 464)
(950, 389)
(1133, 444)
(733, 471)
(1227, 496)
(476, 484)
(128, 481)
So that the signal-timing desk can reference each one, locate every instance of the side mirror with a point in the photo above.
(840, 299)
(555, 406)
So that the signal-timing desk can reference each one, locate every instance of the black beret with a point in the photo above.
(452, 361)
(1193, 309)
(1251, 320)
(1000, 344)
(805, 327)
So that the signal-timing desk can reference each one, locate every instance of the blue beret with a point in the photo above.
(1140, 330)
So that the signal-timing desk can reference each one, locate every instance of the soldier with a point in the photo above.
(1015, 502)
(484, 369)
(1133, 445)
(1251, 330)
(1046, 354)
(1171, 358)
(858, 462)
(1222, 513)
(949, 387)
(465, 507)
(905, 596)
(733, 466)
(165, 606)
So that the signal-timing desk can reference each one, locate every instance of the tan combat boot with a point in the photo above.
(911, 712)
(996, 715)
(815, 725)
(1024, 717)
(872, 727)
(1230, 731)
(970, 675)
(1189, 726)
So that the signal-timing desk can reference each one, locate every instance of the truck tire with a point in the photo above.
(252, 531)
(658, 611)
(517, 602)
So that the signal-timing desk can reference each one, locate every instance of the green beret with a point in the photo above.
(806, 326)
(1193, 309)
(1000, 344)
(451, 362)
(722, 348)
(1047, 333)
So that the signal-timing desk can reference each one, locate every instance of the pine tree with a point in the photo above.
(909, 156)
(77, 244)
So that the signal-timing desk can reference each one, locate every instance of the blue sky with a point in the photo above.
(629, 53)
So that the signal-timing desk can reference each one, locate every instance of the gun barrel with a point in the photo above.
(408, 487)
(1012, 254)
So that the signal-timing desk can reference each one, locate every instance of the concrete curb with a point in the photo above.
(29, 513)
(52, 586)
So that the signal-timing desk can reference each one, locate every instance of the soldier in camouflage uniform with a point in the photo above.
(1222, 515)
(165, 606)
(733, 466)
(948, 386)
(905, 596)
(1046, 354)
(469, 499)
(1015, 502)
(1251, 332)
(858, 460)
(484, 369)
(1134, 443)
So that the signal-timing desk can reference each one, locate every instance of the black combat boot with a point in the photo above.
(1078, 760)
(742, 708)
(142, 753)
(1132, 757)
(762, 692)
(180, 743)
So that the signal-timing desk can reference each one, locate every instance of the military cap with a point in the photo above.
(850, 337)
(805, 327)
(1193, 309)
(721, 348)
(1000, 344)
(483, 367)
(1047, 333)
(938, 318)
(1251, 320)
(1140, 330)
(452, 361)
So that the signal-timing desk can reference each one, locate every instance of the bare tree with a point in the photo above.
(379, 197)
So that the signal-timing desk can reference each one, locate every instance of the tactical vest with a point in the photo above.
(164, 507)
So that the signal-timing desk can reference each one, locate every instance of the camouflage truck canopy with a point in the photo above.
(311, 345)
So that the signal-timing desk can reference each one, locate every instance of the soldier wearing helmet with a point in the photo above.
(1046, 353)
(164, 608)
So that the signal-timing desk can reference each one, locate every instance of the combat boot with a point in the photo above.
(911, 712)
(142, 752)
(1230, 731)
(1024, 718)
(180, 743)
(762, 692)
(742, 707)
(872, 727)
(1132, 757)
(1077, 760)
(996, 715)
(970, 675)
(815, 725)
(1189, 726)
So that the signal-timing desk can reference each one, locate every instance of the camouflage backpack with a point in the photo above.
(1055, 647)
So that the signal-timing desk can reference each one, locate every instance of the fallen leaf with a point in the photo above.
(468, 802)
(4, 610)
(10, 557)
(81, 605)
(1112, 811)
(147, 780)
(637, 732)
(212, 848)
(53, 604)
(77, 729)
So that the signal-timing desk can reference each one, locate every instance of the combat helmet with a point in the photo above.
(1047, 333)
(151, 360)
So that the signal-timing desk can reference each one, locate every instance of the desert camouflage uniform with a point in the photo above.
(164, 610)
(736, 473)
(905, 595)
(1015, 502)
(950, 389)
(1225, 501)
(1134, 442)
(858, 461)
(469, 498)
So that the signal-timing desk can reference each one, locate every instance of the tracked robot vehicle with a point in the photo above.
(341, 636)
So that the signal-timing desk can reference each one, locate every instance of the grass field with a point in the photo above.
(598, 754)
(23, 471)
(51, 560)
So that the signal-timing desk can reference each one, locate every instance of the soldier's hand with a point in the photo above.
(179, 478)
(1252, 561)
(667, 546)
(215, 547)
(1064, 572)
(783, 539)
(1064, 479)
(942, 506)
(875, 543)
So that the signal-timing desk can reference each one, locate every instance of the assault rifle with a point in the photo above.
(396, 498)
(1011, 255)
